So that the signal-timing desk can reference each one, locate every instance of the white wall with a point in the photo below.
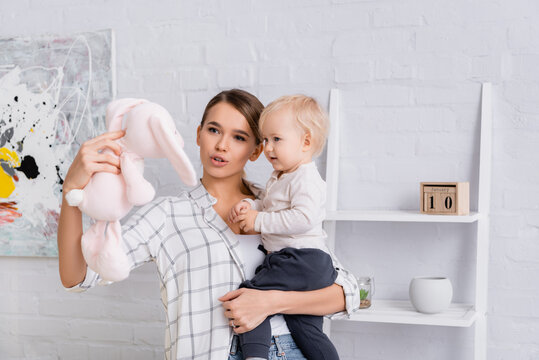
(410, 72)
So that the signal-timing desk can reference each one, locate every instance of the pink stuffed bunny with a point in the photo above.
(149, 133)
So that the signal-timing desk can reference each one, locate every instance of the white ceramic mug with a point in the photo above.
(430, 295)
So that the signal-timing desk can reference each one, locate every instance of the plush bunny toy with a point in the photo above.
(149, 133)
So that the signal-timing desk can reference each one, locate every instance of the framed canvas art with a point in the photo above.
(53, 95)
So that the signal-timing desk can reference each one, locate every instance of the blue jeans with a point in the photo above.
(282, 347)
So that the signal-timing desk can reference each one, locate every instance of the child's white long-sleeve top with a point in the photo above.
(292, 210)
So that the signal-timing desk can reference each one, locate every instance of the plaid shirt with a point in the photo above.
(198, 261)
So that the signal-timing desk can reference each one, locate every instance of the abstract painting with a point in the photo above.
(53, 95)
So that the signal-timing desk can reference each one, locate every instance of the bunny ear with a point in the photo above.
(172, 145)
(117, 109)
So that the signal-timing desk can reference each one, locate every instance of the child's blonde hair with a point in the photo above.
(309, 115)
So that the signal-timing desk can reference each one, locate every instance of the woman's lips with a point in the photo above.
(218, 161)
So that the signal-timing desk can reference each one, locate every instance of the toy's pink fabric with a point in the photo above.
(150, 133)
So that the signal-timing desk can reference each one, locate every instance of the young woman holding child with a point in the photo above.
(201, 256)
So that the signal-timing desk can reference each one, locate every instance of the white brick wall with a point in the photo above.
(410, 73)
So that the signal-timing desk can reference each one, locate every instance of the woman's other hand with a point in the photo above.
(247, 308)
(93, 158)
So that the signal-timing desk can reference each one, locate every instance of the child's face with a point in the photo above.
(284, 141)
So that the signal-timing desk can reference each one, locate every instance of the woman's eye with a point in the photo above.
(213, 130)
(276, 139)
(240, 138)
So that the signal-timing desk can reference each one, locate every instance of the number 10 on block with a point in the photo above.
(445, 198)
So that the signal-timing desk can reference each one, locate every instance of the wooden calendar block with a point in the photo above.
(445, 198)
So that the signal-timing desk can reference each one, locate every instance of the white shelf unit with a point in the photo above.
(402, 312)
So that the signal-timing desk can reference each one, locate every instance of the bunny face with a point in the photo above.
(140, 135)
(150, 133)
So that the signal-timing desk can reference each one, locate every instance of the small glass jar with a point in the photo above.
(366, 290)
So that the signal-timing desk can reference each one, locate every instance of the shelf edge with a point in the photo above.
(399, 216)
(406, 316)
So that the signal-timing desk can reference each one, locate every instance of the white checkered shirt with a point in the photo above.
(198, 261)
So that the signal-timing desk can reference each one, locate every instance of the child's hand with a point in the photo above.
(247, 220)
(238, 209)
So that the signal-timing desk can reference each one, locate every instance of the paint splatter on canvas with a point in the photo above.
(53, 95)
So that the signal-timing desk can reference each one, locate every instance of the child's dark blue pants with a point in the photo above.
(295, 270)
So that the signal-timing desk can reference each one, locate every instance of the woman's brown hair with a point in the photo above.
(246, 103)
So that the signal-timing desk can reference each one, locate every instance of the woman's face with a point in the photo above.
(226, 142)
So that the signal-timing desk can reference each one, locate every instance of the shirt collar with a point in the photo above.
(203, 198)
(275, 173)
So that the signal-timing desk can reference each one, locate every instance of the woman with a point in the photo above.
(200, 257)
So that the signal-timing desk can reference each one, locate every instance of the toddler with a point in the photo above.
(289, 216)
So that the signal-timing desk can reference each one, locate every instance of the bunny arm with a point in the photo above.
(138, 190)
(172, 145)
